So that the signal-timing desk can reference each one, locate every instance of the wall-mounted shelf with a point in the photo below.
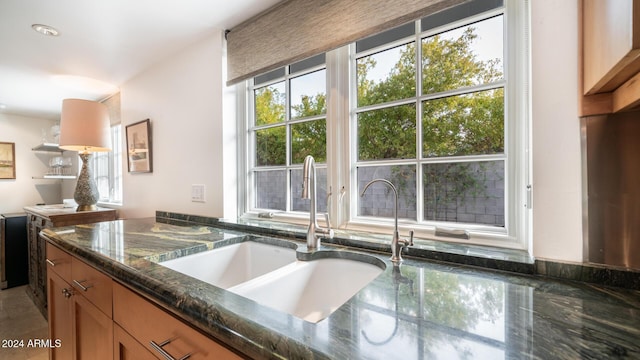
(48, 147)
(58, 170)
(54, 177)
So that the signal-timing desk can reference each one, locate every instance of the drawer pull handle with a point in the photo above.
(158, 347)
(51, 262)
(79, 284)
(67, 292)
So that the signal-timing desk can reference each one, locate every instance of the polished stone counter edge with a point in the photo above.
(582, 272)
(589, 273)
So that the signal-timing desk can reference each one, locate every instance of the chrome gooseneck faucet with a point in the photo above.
(396, 242)
(309, 192)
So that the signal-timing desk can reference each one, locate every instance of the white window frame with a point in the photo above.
(341, 148)
(249, 129)
(114, 172)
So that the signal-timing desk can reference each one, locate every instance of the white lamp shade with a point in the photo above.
(84, 126)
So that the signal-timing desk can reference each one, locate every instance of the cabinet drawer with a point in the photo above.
(148, 323)
(93, 285)
(127, 348)
(59, 262)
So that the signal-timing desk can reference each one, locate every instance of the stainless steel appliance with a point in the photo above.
(611, 189)
(14, 266)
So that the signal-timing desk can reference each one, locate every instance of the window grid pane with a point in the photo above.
(271, 187)
(308, 94)
(466, 192)
(467, 56)
(300, 204)
(379, 200)
(271, 146)
(309, 138)
(387, 75)
(469, 124)
(270, 104)
(388, 133)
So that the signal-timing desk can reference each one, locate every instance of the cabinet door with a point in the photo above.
(93, 330)
(611, 43)
(60, 317)
(125, 347)
(160, 332)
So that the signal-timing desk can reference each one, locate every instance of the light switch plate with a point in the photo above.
(197, 193)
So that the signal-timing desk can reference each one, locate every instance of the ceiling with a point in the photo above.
(105, 41)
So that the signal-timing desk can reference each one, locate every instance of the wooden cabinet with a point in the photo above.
(80, 308)
(60, 313)
(95, 317)
(41, 217)
(610, 55)
(125, 347)
(37, 273)
(159, 332)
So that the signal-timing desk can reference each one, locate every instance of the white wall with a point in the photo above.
(557, 197)
(26, 133)
(182, 96)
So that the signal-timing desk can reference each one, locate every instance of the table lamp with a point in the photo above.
(85, 128)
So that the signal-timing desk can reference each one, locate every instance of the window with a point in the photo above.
(107, 169)
(439, 107)
(289, 122)
(430, 111)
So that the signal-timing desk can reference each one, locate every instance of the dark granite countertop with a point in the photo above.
(422, 309)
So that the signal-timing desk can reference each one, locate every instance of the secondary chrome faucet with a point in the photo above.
(396, 242)
(314, 232)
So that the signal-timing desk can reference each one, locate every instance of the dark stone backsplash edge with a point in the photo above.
(581, 272)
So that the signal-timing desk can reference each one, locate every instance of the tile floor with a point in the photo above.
(21, 320)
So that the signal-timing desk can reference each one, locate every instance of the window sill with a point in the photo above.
(512, 260)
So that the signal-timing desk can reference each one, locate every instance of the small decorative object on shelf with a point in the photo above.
(60, 165)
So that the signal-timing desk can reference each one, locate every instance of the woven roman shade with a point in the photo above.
(297, 29)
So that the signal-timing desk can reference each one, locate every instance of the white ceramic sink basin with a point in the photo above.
(233, 264)
(310, 290)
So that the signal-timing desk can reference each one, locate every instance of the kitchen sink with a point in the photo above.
(272, 276)
(310, 290)
(233, 264)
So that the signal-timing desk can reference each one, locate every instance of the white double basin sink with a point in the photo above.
(272, 276)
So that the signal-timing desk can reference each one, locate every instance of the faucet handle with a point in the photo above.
(402, 242)
(329, 229)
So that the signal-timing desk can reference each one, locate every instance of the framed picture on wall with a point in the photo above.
(7, 160)
(139, 159)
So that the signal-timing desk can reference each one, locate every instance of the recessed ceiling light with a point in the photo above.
(45, 30)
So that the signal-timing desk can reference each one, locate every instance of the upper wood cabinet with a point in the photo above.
(611, 54)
